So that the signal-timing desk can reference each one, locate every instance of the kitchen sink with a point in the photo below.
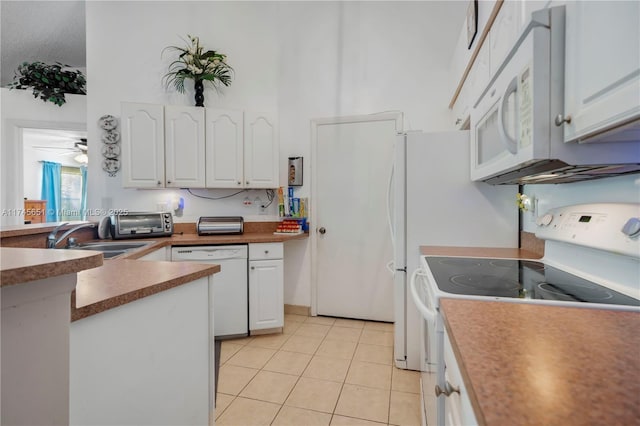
(111, 249)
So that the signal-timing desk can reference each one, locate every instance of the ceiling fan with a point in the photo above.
(68, 147)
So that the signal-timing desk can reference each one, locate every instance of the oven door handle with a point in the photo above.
(427, 313)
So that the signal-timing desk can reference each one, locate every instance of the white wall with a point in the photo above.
(20, 110)
(302, 60)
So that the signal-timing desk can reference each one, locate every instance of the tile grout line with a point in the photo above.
(345, 377)
(299, 377)
(324, 338)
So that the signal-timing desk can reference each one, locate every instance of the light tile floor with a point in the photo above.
(320, 371)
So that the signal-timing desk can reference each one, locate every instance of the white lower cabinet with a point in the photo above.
(148, 362)
(457, 406)
(162, 254)
(266, 286)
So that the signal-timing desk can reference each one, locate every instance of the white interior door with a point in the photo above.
(352, 161)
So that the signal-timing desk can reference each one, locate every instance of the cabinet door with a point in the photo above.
(602, 66)
(504, 33)
(184, 147)
(261, 151)
(142, 145)
(224, 146)
(266, 294)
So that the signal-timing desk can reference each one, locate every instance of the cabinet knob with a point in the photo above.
(561, 119)
(247, 182)
(458, 121)
(448, 389)
(253, 267)
(159, 183)
(266, 252)
(239, 183)
(322, 230)
(169, 182)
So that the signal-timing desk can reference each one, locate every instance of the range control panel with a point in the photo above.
(613, 227)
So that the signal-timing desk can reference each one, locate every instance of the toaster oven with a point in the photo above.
(141, 225)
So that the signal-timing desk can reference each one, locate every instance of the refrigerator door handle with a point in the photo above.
(389, 206)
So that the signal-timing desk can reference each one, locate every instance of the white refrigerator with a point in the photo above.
(434, 202)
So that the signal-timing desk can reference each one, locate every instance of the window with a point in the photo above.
(71, 193)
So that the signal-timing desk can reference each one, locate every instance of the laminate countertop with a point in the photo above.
(121, 279)
(525, 364)
(19, 265)
(497, 252)
(195, 239)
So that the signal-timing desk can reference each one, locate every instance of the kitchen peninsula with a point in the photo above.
(135, 322)
(145, 322)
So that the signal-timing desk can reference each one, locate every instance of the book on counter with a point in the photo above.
(289, 227)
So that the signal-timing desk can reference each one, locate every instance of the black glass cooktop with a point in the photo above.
(518, 278)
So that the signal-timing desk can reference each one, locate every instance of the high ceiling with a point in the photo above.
(46, 31)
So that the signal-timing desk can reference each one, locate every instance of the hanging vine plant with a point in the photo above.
(49, 82)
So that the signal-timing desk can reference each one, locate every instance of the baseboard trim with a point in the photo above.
(266, 331)
(297, 310)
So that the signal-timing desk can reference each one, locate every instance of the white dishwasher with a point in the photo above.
(230, 285)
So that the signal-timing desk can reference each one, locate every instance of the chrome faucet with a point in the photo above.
(52, 242)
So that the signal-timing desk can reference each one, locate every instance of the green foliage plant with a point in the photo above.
(197, 64)
(49, 82)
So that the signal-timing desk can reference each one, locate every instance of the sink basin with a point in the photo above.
(111, 248)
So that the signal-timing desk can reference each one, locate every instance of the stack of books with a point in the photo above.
(289, 227)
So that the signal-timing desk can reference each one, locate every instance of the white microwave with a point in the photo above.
(514, 135)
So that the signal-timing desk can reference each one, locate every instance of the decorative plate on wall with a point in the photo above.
(110, 151)
(111, 136)
(108, 122)
(111, 166)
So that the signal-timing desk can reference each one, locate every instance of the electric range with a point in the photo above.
(591, 260)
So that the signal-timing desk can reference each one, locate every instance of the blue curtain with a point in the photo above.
(51, 175)
(83, 200)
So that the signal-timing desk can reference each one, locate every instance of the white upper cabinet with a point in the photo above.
(192, 147)
(184, 146)
(504, 33)
(260, 151)
(142, 145)
(602, 66)
(224, 146)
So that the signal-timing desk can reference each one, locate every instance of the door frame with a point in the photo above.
(13, 159)
(396, 116)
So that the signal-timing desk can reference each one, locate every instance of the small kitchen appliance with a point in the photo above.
(141, 225)
(516, 124)
(219, 225)
(591, 260)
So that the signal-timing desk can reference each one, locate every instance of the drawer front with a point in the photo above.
(265, 251)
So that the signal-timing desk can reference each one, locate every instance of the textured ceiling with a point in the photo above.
(46, 31)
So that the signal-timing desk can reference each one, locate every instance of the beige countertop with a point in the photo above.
(499, 252)
(120, 281)
(18, 265)
(195, 239)
(526, 364)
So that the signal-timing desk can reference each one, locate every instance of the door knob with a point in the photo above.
(322, 230)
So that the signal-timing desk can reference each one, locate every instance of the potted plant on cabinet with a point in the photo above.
(199, 65)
